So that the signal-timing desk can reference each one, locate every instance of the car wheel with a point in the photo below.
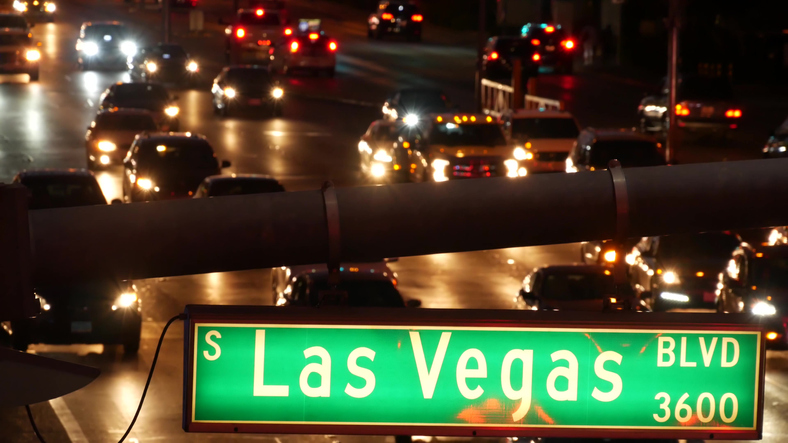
(378, 34)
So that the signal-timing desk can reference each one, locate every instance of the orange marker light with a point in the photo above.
(293, 46)
(549, 29)
(417, 17)
(439, 119)
(288, 31)
(332, 46)
(473, 118)
(240, 33)
(536, 57)
(535, 42)
(387, 16)
(405, 144)
(259, 12)
(489, 119)
(465, 118)
(699, 274)
(314, 36)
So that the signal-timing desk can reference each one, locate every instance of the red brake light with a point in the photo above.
(494, 56)
(387, 16)
(259, 12)
(536, 57)
(314, 36)
(240, 33)
(568, 44)
(549, 29)
(332, 46)
(417, 17)
(733, 113)
(535, 42)
(681, 110)
(288, 31)
(293, 46)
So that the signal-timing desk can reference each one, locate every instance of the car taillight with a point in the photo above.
(263, 42)
(332, 46)
(417, 17)
(288, 31)
(536, 57)
(494, 56)
(536, 42)
(549, 29)
(314, 36)
(682, 110)
(294, 47)
(387, 16)
(240, 33)
(568, 44)
(259, 12)
(733, 113)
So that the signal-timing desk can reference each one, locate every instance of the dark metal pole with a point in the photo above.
(260, 231)
(673, 51)
(16, 267)
(480, 53)
(165, 17)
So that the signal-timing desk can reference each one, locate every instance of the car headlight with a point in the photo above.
(172, 111)
(106, 146)
(277, 92)
(511, 167)
(411, 119)
(393, 113)
(439, 169)
(570, 166)
(90, 48)
(151, 67)
(33, 55)
(378, 170)
(126, 299)
(192, 66)
(19, 6)
(670, 277)
(145, 183)
(763, 308)
(50, 7)
(128, 48)
(229, 92)
(363, 146)
(382, 156)
(522, 154)
(610, 256)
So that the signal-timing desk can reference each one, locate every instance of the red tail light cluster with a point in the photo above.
(733, 113)
(494, 56)
(682, 110)
(240, 33)
(314, 36)
(536, 57)
(259, 12)
(293, 46)
(417, 17)
(568, 44)
(332, 46)
(549, 29)
(536, 42)
(387, 16)
(288, 31)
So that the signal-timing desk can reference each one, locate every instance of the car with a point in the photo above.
(36, 10)
(418, 103)
(574, 288)
(253, 34)
(777, 145)
(106, 44)
(166, 63)
(390, 151)
(680, 271)
(246, 87)
(546, 137)
(151, 97)
(18, 53)
(595, 148)
(703, 104)
(755, 282)
(499, 55)
(111, 133)
(395, 18)
(103, 310)
(166, 166)
(469, 146)
(556, 50)
(360, 285)
(313, 52)
(237, 184)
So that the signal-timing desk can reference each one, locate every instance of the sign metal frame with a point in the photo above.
(498, 319)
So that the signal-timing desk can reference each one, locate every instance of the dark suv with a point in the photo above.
(395, 18)
(500, 53)
(596, 147)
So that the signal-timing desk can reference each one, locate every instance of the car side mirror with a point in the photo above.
(116, 201)
(413, 303)
(525, 295)
(226, 164)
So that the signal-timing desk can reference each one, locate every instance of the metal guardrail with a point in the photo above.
(497, 98)
(542, 104)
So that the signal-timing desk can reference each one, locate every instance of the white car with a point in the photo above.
(283, 278)
(546, 137)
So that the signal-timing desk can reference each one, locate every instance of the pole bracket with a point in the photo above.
(331, 207)
(622, 217)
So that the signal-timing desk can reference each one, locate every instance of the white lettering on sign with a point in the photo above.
(735, 358)
(463, 373)
(429, 378)
(684, 363)
(526, 356)
(323, 369)
(217, 350)
(707, 353)
(260, 388)
(358, 371)
(608, 376)
(662, 350)
(569, 373)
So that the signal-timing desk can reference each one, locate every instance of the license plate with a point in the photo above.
(709, 297)
(403, 23)
(707, 111)
(549, 48)
(81, 327)
(255, 101)
(261, 56)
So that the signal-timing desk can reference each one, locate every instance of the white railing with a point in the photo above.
(496, 97)
(542, 104)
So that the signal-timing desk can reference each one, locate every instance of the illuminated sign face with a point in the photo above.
(368, 377)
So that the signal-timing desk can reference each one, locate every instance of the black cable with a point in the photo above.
(144, 391)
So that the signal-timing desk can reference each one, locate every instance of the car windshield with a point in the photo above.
(577, 286)
(13, 21)
(368, 294)
(181, 154)
(514, 46)
(252, 19)
(128, 122)
(241, 186)
(136, 92)
(450, 134)
(630, 153)
(249, 76)
(401, 9)
(168, 52)
(424, 102)
(48, 192)
(697, 246)
(105, 32)
(526, 128)
(699, 88)
(14, 39)
(770, 272)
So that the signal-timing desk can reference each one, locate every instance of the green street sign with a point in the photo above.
(504, 373)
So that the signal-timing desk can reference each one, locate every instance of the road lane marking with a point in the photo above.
(68, 421)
